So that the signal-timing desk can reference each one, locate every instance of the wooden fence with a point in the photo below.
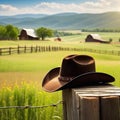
(31, 49)
(92, 103)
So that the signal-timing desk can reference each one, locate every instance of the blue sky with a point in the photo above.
(12, 7)
(34, 2)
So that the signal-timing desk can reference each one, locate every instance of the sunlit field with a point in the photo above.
(21, 75)
(33, 67)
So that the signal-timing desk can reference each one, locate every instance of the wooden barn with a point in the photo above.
(95, 38)
(28, 34)
(58, 39)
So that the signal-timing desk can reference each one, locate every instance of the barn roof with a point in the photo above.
(30, 32)
(96, 36)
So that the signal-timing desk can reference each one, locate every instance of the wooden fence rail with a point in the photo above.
(31, 49)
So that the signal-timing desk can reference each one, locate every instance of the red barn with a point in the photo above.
(28, 34)
(95, 38)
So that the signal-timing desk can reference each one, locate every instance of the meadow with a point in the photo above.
(21, 76)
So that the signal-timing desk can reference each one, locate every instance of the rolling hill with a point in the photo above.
(110, 20)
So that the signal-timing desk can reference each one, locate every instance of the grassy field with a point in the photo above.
(33, 66)
(71, 41)
(21, 76)
(115, 36)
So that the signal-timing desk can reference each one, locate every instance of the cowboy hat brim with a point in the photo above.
(52, 83)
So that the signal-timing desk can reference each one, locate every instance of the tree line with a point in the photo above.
(10, 32)
(100, 30)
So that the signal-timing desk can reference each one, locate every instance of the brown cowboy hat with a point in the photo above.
(75, 71)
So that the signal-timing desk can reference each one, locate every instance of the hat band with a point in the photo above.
(65, 79)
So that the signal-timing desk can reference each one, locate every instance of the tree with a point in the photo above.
(8, 32)
(44, 32)
(2, 32)
(11, 32)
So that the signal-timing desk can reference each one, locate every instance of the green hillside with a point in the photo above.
(110, 20)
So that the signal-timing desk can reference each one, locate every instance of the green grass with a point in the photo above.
(21, 76)
(28, 92)
(115, 36)
(43, 62)
(29, 95)
(30, 62)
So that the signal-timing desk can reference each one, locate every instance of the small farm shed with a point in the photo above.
(95, 38)
(28, 34)
(58, 39)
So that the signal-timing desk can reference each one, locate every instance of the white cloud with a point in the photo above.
(52, 8)
(89, 7)
(102, 6)
(7, 7)
(56, 8)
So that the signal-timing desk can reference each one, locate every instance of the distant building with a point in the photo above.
(58, 39)
(95, 38)
(28, 34)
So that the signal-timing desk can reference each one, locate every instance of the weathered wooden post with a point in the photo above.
(10, 50)
(92, 103)
(36, 48)
(25, 49)
(18, 49)
(31, 49)
(0, 51)
(39, 48)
